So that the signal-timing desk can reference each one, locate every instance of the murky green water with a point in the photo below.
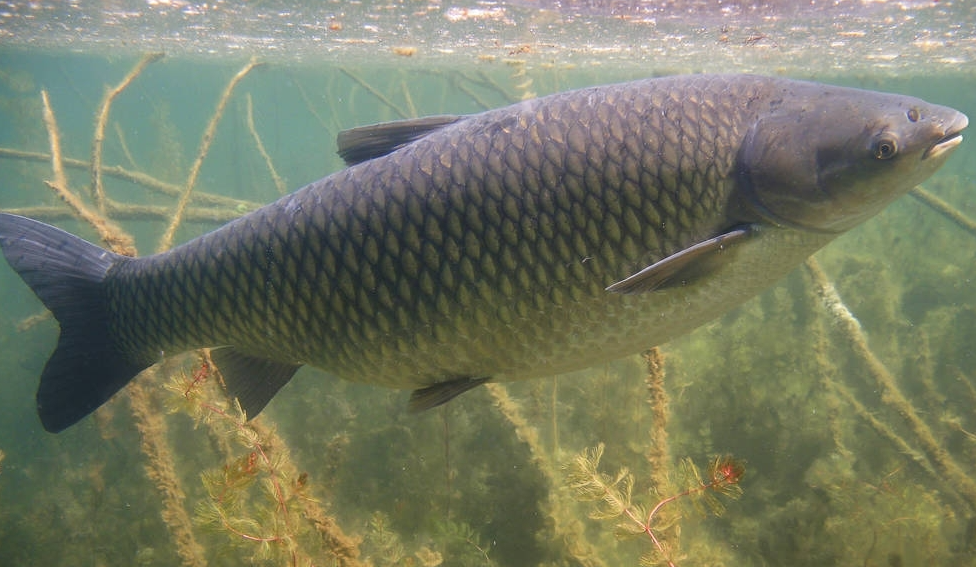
(839, 471)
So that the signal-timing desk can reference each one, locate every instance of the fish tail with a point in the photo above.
(68, 274)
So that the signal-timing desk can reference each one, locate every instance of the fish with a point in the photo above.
(525, 241)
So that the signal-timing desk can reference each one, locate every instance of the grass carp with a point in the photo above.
(525, 241)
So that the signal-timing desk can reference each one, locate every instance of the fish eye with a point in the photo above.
(885, 148)
(914, 114)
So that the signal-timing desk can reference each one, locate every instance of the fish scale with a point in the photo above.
(387, 232)
(539, 238)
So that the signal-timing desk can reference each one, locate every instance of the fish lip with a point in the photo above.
(950, 140)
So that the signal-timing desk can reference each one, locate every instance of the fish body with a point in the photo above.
(525, 241)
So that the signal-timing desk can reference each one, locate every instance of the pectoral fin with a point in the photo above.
(442, 392)
(251, 379)
(688, 265)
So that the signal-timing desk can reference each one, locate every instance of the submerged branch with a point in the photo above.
(114, 237)
(166, 241)
(278, 181)
(891, 393)
(54, 139)
(136, 177)
(160, 470)
(581, 550)
(372, 90)
(944, 209)
(123, 211)
(97, 190)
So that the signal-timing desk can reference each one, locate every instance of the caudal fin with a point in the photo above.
(68, 274)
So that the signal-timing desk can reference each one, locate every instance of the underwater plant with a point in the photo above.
(232, 507)
(258, 497)
(615, 494)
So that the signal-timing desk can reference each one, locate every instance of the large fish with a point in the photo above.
(535, 239)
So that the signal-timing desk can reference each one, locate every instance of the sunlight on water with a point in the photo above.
(806, 37)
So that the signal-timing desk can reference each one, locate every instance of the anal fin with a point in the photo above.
(442, 392)
(252, 380)
(688, 265)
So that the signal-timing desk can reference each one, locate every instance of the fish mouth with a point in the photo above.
(950, 140)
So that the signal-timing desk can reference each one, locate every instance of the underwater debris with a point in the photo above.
(405, 50)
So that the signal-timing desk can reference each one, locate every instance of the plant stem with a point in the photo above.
(166, 242)
(97, 190)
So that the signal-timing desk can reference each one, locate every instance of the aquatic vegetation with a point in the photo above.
(462, 545)
(383, 544)
(257, 496)
(614, 494)
(271, 525)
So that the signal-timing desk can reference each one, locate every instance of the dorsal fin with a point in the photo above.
(361, 144)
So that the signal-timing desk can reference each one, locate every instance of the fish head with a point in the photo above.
(828, 158)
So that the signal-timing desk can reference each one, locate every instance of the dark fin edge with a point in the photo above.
(357, 145)
(441, 393)
(686, 266)
(251, 379)
(68, 274)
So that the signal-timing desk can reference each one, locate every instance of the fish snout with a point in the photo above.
(951, 135)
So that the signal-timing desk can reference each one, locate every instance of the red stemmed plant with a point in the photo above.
(614, 493)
